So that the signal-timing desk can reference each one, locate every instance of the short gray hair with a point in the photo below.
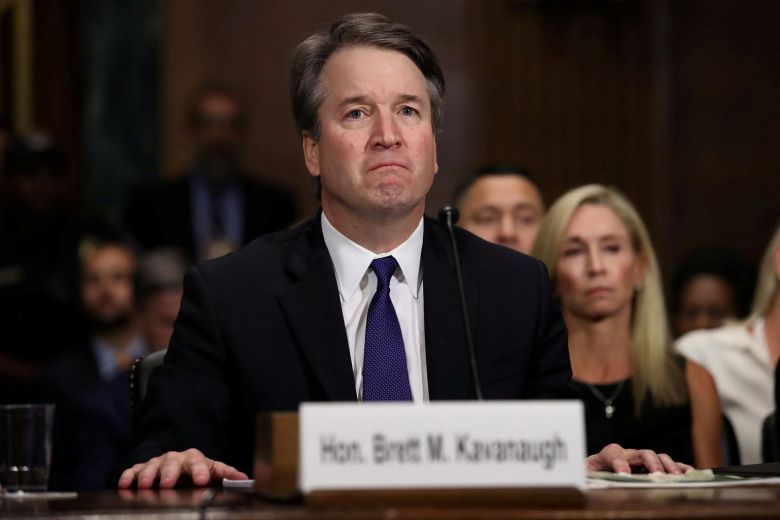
(368, 29)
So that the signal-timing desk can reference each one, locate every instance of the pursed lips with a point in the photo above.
(387, 165)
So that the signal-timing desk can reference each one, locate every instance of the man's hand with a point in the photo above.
(170, 466)
(620, 460)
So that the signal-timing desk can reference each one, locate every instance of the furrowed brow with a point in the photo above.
(351, 100)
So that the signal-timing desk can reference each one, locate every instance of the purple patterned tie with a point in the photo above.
(385, 377)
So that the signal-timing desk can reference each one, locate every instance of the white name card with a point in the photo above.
(497, 444)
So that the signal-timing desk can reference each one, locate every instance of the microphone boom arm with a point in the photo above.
(448, 216)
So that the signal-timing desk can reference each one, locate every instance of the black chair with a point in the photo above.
(770, 451)
(139, 382)
(730, 447)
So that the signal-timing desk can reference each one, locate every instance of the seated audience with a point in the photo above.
(606, 277)
(90, 383)
(160, 278)
(215, 206)
(738, 360)
(501, 204)
(710, 286)
(39, 234)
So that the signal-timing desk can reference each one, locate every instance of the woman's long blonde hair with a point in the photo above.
(768, 280)
(653, 367)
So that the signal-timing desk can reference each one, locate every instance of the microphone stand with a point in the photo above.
(448, 216)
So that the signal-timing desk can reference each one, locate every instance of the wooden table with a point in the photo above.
(689, 504)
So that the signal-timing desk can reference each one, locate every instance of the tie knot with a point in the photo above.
(384, 269)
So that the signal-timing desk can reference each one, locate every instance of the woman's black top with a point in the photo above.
(661, 429)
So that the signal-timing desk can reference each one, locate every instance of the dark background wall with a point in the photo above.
(676, 102)
(57, 86)
(121, 77)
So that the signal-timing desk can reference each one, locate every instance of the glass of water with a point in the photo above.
(25, 446)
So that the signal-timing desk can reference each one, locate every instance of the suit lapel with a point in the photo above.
(313, 311)
(446, 351)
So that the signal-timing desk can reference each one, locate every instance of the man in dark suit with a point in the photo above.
(216, 206)
(304, 315)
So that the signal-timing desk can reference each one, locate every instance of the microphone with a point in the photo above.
(449, 216)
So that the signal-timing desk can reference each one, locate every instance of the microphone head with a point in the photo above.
(448, 213)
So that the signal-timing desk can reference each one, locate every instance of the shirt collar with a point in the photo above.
(351, 260)
(106, 355)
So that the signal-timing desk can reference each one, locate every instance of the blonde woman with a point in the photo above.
(738, 360)
(606, 277)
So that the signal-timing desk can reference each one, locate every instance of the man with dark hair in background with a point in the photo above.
(216, 206)
(502, 204)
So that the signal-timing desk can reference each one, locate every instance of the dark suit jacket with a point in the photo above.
(161, 215)
(262, 330)
(91, 423)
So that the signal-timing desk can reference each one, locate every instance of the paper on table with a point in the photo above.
(37, 495)
(691, 479)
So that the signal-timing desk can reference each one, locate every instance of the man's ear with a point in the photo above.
(311, 153)
(435, 159)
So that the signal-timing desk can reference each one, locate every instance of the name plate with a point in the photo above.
(494, 444)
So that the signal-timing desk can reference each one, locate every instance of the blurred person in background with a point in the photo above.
(39, 232)
(606, 277)
(5, 141)
(501, 204)
(738, 360)
(90, 382)
(215, 206)
(710, 285)
(160, 287)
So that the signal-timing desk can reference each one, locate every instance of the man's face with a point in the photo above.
(107, 286)
(376, 155)
(217, 128)
(503, 209)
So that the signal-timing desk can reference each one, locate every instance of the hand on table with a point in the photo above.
(169, 466)
(620, 460)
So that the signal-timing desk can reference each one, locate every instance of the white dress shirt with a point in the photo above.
(357, 285)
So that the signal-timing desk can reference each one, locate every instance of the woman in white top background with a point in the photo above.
(740, 359)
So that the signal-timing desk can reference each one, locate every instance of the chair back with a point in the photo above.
(770, 451)
(729, 443)
(139, 382)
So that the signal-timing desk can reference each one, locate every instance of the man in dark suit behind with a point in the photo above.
(216, 206)
(286, 319)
